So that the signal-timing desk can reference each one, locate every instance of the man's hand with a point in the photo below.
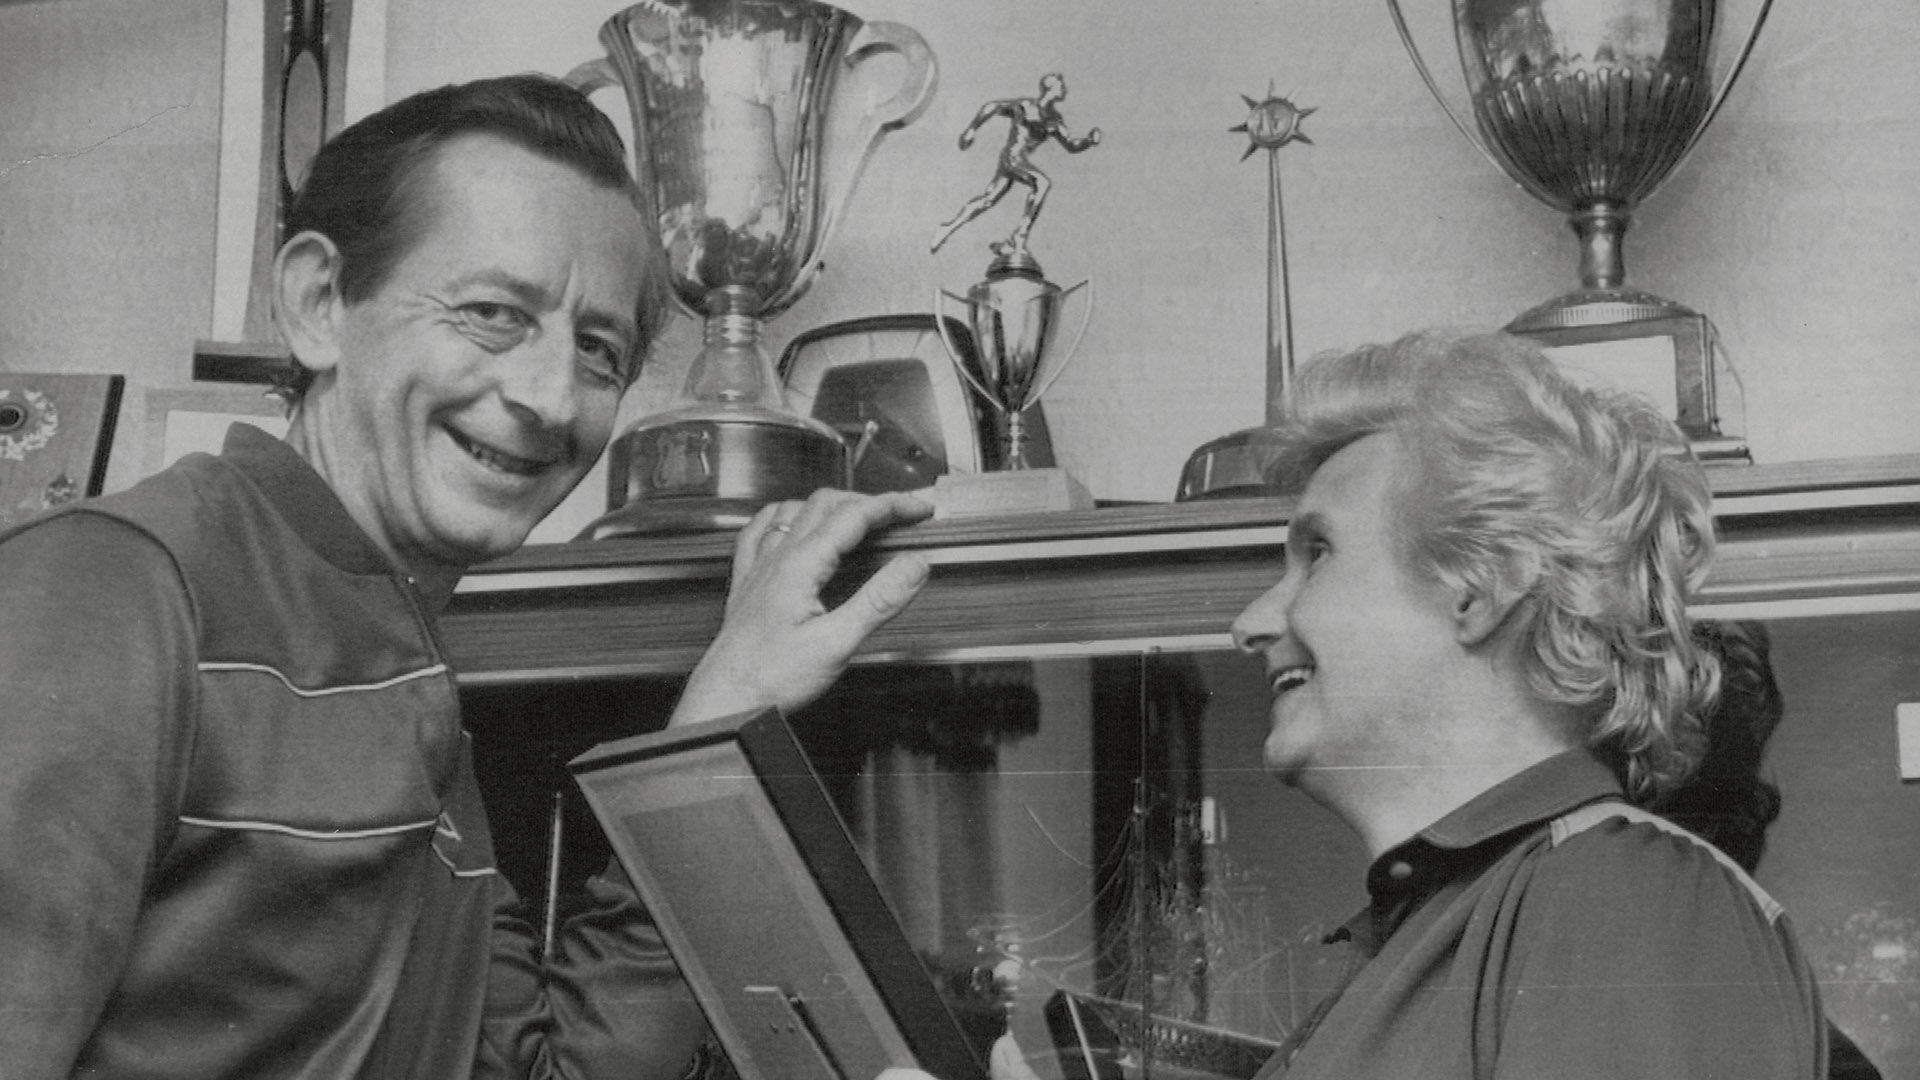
(780, 646)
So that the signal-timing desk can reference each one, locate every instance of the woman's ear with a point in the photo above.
(307, 302)
(1480, 611)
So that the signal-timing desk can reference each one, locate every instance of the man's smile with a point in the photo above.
(497, 459)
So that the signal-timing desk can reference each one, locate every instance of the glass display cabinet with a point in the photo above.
(1051, 762)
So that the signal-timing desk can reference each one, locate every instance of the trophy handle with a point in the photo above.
(907, 103)
(1726, 84)
(953, 354)
(916, 88)
(1426, 76)
(1086, 317)
(593, 75)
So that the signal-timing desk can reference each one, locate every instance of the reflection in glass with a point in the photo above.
(1105, 826)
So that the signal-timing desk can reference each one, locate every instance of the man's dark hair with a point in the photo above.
(364, 189)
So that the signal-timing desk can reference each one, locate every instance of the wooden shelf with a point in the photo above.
(1807, 539)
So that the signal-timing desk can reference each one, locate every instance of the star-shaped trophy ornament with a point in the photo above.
(1272, 123)
(1233, 465)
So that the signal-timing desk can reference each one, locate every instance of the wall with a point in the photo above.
(1792, 225)
(108, 143)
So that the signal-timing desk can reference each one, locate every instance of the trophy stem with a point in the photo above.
(1602, 229)
(1279, 299)
(1603, 297)
(733, 368)
(1016, 454)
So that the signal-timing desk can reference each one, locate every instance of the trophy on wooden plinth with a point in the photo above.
(1589, 105)
(752, 122)
(1014, 313)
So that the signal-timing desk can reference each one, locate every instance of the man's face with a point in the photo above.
(480, 383)
(1356, 647)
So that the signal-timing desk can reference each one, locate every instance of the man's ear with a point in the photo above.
(1480, 611)
(307, 302)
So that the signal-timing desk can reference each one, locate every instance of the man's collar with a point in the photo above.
(308, 504)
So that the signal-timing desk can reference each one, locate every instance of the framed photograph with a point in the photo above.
(56, 432)
(180, 422)
(734, 845)
(887, 385)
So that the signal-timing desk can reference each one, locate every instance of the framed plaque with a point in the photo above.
(55, 435)
(757, 888)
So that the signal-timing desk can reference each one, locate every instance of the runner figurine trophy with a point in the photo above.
(1014, 315)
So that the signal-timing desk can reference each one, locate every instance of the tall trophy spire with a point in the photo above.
(1234, 465)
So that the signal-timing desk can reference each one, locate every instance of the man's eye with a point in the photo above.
(494, 318)
(604, 358)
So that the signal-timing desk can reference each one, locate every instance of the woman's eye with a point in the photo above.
(1304, 553)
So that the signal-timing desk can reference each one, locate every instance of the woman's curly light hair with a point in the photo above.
(1585, 503)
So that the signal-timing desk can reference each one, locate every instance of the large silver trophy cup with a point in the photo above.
(752, 120)
(1589, 105)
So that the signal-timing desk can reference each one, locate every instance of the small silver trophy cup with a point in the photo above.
(1014, 313)
(752, 121)
(1015, 317)
(1589, 105)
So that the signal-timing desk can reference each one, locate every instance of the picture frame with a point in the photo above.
(888, 386)
(733, 843)
(56, 434)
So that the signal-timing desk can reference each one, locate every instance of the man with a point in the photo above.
(1478, 652)
(242, 835)
(1030, 123)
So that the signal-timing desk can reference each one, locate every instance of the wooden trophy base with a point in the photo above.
(1019, 491)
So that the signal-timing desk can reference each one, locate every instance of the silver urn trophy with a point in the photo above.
(752, 121)
(1589, 105)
